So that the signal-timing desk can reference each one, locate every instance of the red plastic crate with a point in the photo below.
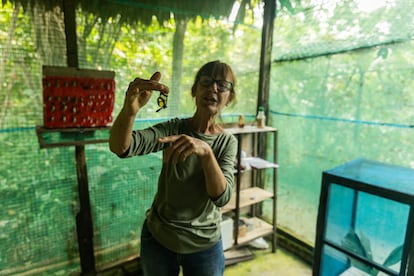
(77, 101)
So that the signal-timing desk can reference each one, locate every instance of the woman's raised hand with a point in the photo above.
(140, 90)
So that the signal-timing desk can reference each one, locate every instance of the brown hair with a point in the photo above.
(214, 69)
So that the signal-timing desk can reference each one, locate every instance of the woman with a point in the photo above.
(182, 227)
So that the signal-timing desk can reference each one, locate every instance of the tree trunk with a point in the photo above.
(177, 62)
(50, 35)
(3, 59)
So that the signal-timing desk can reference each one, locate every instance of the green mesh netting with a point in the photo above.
(341, 88)
(38, 187)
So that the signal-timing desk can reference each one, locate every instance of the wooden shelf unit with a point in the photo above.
(253, 194)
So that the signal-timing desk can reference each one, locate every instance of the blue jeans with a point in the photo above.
(156, 260)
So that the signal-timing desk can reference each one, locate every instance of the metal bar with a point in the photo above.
(238, 184)
(274, 219)
(364, 260)
(320, 225)
(407, 260)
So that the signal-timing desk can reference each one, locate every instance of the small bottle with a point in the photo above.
(241, 121)
(261, 117)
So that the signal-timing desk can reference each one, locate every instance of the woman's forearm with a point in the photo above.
(215, 180)
(120, 133)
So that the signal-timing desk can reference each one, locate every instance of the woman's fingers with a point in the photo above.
(179, 148)
(156, 76)
(180, 153)
(149, 85)
(174, 148)
(140, 90)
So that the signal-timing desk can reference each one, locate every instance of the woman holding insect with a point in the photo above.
(182, 227)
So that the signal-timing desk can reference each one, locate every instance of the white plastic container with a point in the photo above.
(226, 226)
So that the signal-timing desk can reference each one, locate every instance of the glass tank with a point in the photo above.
(365, 220)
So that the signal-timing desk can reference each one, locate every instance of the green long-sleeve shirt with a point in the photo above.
(183, 217)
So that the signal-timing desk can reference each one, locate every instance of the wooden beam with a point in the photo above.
(264, 72)
(60, 71)
(266, 54)
(84, 225)
(70, 32)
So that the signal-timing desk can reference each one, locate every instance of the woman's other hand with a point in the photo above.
(182, 146)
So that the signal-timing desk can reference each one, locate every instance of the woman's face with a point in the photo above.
(213, 93)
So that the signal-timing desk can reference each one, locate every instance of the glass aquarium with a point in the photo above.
(365, 220)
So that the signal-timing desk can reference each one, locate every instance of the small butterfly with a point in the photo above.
(162, 101)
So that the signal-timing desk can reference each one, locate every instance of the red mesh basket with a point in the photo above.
(77, 101)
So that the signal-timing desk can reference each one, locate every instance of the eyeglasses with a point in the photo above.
(162, 101)
(222, 85)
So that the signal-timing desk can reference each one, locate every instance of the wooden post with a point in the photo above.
(265, 62)
(266, 55)
(84, 224)
(70, 32)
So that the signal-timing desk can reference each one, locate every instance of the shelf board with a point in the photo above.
(260, 229)
(259, 163)
(248, 197)
(61, 137)
(249, 129)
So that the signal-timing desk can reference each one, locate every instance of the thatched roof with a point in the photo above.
(142, 10)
